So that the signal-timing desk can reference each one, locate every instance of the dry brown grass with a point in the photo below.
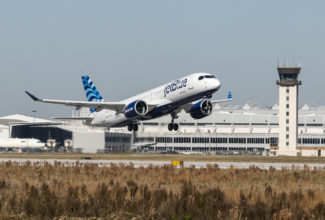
(123, 192)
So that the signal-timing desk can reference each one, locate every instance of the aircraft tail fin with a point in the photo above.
(229, 95)
(91, 91)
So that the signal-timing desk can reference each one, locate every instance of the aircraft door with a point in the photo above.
(190, 85)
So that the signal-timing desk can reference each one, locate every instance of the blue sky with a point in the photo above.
(128, 47)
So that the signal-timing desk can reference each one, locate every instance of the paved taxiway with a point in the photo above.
(146, 163)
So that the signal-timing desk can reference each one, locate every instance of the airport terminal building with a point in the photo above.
(249, 129)
(64, 136)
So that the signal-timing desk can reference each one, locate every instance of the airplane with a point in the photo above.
(21, 143)
(191, 93)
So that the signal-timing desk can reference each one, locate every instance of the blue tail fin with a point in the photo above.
(92, 93)
(229, 95)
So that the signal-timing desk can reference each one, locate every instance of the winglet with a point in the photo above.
(229, 96)
(32, 96)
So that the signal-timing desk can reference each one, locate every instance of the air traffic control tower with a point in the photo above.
(288, 110)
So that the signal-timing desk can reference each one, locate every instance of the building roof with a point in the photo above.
(18, 118)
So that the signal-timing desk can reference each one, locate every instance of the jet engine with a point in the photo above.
(201, 109)
(135, 109)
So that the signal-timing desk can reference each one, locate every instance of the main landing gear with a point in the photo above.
(172, 125)
(133, 127)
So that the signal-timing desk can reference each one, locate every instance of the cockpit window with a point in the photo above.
(206, 76)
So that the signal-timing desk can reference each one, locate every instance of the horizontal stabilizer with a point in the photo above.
(229, 98)
(73, 118)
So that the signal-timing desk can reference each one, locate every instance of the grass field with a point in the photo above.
(169, 157)
(30, 191)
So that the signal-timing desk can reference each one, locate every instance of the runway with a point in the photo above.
(146, 163)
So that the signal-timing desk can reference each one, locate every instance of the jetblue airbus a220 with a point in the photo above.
(191, 93)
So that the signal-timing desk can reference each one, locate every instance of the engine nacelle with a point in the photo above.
(201, 109)
(135, 109)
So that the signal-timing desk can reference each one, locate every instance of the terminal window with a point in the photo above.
(287, 90)
(237, 140)
(255, 140)
(274, 141)
(311, 141)
(164, 139)
(182, 140)
(287, 105)
(287, 98)
(200, 140)
(144, 139)
(219, 140)
(287, 121)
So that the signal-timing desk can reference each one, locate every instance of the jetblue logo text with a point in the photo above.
(178, 84)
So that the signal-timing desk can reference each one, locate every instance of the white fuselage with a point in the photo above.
(167, 98)
(20, 143)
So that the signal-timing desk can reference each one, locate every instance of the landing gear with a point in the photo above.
(133, 127)
(173, 126)
(130, 127)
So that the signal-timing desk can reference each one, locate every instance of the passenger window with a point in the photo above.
(201, 77)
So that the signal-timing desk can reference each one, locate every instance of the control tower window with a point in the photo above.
(288, 76)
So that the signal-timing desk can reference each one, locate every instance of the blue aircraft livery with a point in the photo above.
(191, 93)
(92, 93)
(177, 84)
(229, 95)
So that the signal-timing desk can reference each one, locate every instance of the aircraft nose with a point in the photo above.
(216, 84)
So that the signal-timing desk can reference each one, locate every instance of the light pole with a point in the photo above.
(34, 112)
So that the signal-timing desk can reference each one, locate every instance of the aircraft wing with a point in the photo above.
(116, 106)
